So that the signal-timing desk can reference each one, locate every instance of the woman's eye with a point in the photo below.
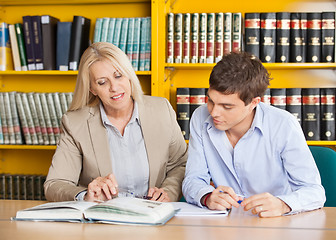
(101, 83)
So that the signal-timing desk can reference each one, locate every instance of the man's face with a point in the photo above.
(229, 111)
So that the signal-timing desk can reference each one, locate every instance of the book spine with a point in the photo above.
(197, 98)
(202, 37)
(328, 37)
(194, 27)
(37, 126)
(117, 30)
(23, 119)
(210, 49)
(58, 108)
(314, 37)
(123, 36)
(97, 30)
(148, 45)
(2, 186)
(9, 186)
(111, 30)
(37, 42)
(104, 29)
(9, 118)
(47, 118)
(311, 113)
(3, 120)
(178, 23)
(30, 187)
(63, 45)
(49, 33)
(68, 96)
(28, 36)
(40, 117)
(130, 35)
(75, 42)
(29, 118)
(236, 32)
(294, 103)
(64, 104)
(53, 116)
(266, 98)
(219, 36)
(37, 187)
(170, 38)
(283, 37)
(252, 33)
(328, 114)
(136, 44)
(16, 187)
(14, 47)
(296, 41)
(303, 34)
(85, 38)
(142, 50)
(186, 38)
(278, 98)
(23, 187)
(227, 32)
(15, 116)
(21, 46)
(267, 37)
(183, 110)
(1, 133)
(6, 61)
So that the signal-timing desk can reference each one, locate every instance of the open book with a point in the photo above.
(121, 210)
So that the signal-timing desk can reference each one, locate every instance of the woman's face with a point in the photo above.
(113, 88)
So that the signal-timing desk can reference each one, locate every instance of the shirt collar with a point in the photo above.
(106, 121)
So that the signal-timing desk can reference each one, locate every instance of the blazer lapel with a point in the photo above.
(99, 142)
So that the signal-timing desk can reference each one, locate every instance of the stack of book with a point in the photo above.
(131, 35)
(22, 187)
(32, 118)
(314, 108)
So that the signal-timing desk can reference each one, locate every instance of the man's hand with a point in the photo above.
(265, 205)
(102, 189)
(221, 198)
(158, 194)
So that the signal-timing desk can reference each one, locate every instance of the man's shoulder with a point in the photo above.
(274, 114)
(201, 113)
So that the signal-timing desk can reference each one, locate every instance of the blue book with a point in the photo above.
(123, 36)
(110, 32)
(142, 50)
(28, 40)
(97, 30)
(104, 29)
(136, 44)
(63, 36)
(117, 30)
(148, 45)
(37, 43)
(129, 44)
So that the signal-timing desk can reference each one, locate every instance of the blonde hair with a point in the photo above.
(96, 52)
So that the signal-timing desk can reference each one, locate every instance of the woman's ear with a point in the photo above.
(93, 92)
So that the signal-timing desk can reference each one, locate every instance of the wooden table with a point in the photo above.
(315, 225)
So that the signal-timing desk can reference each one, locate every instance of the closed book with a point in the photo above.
(266, 98)
(16, 187)
(278, 97)
(9, 118)
(117, 32)
(129, 44)
(178, 37)
(21, 46)
(33, 110)
(58, 107)
(37, 42)
(283, 37)
(110, 32)
(47, 118)
(123, 36)
(53, 115)
(237, 25)
(219, 36)
(63, 101)
(23, 187)
(49, 33)
(28, 40)
(6, 61)
(29, 117)
(14, 47)
(148, 44)
(328, 37)
(142, 50)
(79, 40)
(186, 38)
(40, 117)
(104, 29)
(252, 33)
(15, 116)
(314, 34)
(3, 117)
(63, 36)
(311, 113)
(136, 44)
(202, 36)
(227, 32)
(294, 103)
(97, 30)
(170, 38)
(298, 37)
(183, 110)
(328, 114)
(23, 120)
(194, 27)
(267, 37)
(1, 133)
(197, 98)
(210, 50)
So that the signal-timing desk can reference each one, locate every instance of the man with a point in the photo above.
(254, 154)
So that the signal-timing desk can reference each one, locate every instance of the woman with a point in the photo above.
(115, 139)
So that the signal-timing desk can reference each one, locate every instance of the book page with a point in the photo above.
(186, 209)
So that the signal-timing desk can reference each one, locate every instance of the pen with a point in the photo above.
(239, 201)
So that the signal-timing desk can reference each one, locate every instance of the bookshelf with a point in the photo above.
(285, 75)
(164, 78)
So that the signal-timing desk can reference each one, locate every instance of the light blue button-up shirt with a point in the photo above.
(272, 156)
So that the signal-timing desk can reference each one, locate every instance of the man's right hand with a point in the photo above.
(221, 198)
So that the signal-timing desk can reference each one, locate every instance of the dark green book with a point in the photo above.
(21, 45)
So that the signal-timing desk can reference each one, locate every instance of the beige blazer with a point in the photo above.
(83, 154)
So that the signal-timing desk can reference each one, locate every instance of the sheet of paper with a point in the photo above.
(186, 209)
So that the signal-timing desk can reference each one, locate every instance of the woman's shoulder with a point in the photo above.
(82, 114)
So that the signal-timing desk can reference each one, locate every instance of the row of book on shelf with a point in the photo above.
(131, 35)
(314, 108)
(46, 43)
(22, 187)
(32, 118)
(270, 36)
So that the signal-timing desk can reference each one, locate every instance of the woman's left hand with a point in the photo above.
(158, 194)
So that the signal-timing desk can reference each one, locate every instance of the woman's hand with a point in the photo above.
(102, 189)
(158, 194)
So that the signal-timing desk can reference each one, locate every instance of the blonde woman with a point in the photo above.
(115, 139)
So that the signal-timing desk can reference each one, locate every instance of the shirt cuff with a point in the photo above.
(201, 193)
(80, 196)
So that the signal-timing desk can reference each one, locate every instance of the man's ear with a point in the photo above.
(255, 101)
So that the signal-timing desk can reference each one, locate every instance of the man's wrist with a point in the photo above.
(204, 199)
